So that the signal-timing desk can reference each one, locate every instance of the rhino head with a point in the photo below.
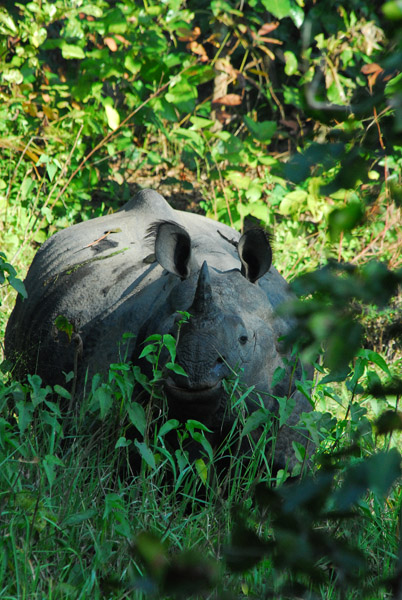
(231, 329)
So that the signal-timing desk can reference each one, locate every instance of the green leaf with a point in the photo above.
(102, 400)
(168, 426)
(375, 358)
(80, 517)
(137, 416)
(183, 96)
(38, 394)
(38, 36)
(192, 425)
(376, 473)
(61, 391)
(201, 123)
(392, 10)
(240, 180)
(344, 219)
(145, 454)
(293, 202)
(148, 350)
(7, 25)
(199, 437)
(262, 131)
(291, 66)
(70, 51)
(176, 369)
(286, 408)
(202, 470)
(170, 343)
(256, 419)
(19, 286)
(112, 116)
(279, 8)
(49, 464)
(122, 442)
(25, 413)
(13, 76)
(63, 324)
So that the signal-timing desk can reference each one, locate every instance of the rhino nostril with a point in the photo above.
(220, 360)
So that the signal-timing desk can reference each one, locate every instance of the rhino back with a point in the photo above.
(101, 276)
(84, 280)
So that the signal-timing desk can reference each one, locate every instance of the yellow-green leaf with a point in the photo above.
(113, 117)
(202, 470)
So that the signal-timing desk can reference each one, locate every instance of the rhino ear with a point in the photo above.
(255, 254)
(172, 247)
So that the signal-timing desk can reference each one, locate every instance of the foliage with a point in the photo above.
(144, 533)
(283, 113)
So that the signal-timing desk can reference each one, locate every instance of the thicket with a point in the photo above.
(281, 112)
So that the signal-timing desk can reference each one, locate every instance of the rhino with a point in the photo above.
(133, 272)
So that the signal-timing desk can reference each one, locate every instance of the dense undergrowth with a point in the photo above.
(283, 113)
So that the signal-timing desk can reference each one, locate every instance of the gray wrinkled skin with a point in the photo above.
(128, 282)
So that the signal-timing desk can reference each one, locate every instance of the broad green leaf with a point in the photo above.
(102, 400)
(38, 394)
(122, 442)
(168, 426)
(49, 464)
(19, 286)
(259, 210)
(376, 473)
(254, 192)
(63, 324)
(291, 66)
(202, 470)
(51, 169)
(78, 518)
(61, 391)
(279, 8)
(137, 416)
(300, 451)
(92, 10)
(145, 454)
(262, 131)
(279, 374)
(240, 180)
(256, 419)
(113, 117)
(286, 407)
(148, 350)
(7, 25)
(38, 36)
(344, 219)
(201, 123)
(293, 202)
(375, 358)
(176, 369)
(192, 425)
(70, 51)
(392, 10)
(199, 437)
(183, 96)
(25, 412)
(13, 76)
(170, 343)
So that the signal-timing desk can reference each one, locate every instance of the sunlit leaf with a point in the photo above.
(71, 51)
(278, 8)
(113, 117)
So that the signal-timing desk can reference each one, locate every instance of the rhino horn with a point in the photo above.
(203, 300)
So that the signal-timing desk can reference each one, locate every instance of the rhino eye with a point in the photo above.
(243, 339)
